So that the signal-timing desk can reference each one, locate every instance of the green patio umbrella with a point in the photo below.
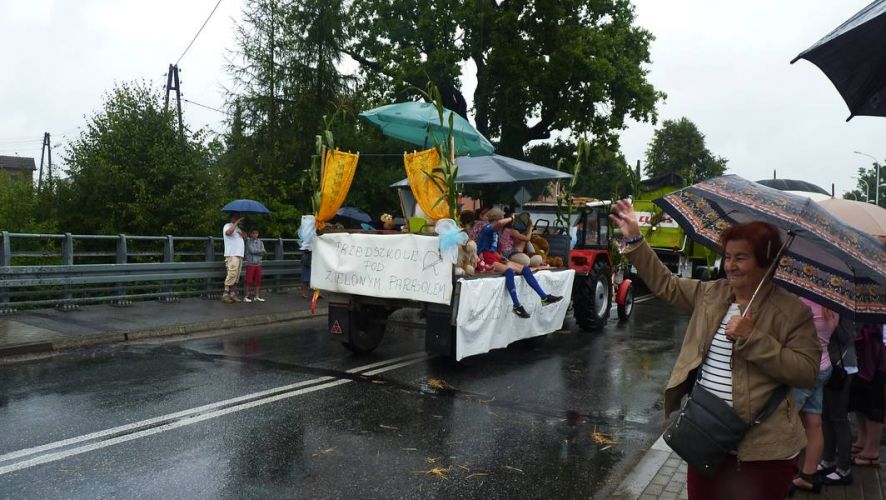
(419, 123)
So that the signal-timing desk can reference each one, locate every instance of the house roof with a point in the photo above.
(17, 163)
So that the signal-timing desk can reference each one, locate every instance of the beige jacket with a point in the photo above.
(783, 349)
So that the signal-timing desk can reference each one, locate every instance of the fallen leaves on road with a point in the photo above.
(477, 474)
(377, 381)
(389, 427)
(441, 472)
(602, 439)
(439, 384)
(514, 468)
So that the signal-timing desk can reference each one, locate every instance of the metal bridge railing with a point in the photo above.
(64, 270)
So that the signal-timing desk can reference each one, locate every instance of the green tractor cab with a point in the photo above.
(680, 254)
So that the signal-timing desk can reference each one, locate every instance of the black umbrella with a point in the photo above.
(793, 185)
(852, 56)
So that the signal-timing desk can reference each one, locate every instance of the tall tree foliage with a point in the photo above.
(540, 66)
(679, 147)
(286, 75)
(130, 171)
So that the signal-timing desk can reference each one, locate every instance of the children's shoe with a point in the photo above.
(551, 299)
(247, 300)
(227, 299)
(258, 299)
(519, 311)
(837, 478)
(234, 298)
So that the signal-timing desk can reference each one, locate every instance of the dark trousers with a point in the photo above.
(764, 480)
(835, 425)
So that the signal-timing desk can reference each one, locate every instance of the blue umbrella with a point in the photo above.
(246, 207)
(354, 213)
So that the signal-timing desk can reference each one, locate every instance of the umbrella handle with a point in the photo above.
(769, 272)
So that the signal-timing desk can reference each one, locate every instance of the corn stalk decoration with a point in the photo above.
(323, 142)
(565, 193)
(446, 173)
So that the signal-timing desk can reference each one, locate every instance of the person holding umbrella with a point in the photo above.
(743, 353)
(235, 247)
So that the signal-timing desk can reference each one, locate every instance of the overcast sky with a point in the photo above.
(724, 65)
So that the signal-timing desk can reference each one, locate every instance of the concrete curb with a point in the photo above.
(639, 478)
(163, 331)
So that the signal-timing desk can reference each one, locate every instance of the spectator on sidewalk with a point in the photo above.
(743, 358)
(811, 401)
(867, 398)
(255, 251)
(234, 251)
(837, 456)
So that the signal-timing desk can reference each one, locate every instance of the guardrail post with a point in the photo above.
(210, 257)
(68, 260)
(278, 255)
(122, 258)
(5, 261)
(168, 256)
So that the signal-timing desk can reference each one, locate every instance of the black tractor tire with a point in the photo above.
(592, 298)
(370, 329)
(625, 310)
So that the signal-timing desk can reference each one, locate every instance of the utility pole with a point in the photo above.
(172, 83)
(46, 151)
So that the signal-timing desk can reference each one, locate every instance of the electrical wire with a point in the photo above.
(205, 106)
(198, 33)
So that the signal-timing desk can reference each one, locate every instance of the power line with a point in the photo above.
(205, 106)
(198, 33)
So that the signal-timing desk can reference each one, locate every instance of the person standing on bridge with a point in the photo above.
(234, 250)
(255, 251)
(741, 359)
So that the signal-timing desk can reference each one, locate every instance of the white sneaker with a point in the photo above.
(247, 300)
(258, 299)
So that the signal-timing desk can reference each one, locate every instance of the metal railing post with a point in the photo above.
(5, 261)
(68, 260)
(122, 258)
(210, 257)
(168, 256)
(278, 255)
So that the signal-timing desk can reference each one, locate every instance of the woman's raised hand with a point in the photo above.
(625, 218)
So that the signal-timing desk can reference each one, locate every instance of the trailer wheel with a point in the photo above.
(627, 307)
(592, 298)
(370, 329)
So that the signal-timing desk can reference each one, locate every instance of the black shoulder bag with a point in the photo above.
(707, 429)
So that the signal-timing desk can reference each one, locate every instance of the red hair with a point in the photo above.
(764, 238)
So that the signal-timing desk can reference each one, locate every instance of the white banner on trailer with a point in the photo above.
(397, 266)
(485, 319)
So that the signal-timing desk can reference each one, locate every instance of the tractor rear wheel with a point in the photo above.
(592, 298)
(370, 329)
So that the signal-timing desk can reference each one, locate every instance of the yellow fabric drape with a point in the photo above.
(338, 173)
(426, 192)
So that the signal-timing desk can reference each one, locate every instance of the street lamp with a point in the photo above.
(867, 189)
(877, 186)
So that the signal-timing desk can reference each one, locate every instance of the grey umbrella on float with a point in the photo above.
(498, 169)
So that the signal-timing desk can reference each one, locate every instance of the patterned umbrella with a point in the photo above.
(827, 261)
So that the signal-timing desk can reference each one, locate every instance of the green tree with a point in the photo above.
(22, 209)
(540, 66)
(679, 147)
(865, 182)
(605, 176)
(129, 171)
(286, 75)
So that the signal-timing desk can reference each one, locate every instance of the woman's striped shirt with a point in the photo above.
(716, 371)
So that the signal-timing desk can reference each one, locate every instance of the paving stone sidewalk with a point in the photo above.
(661, 475)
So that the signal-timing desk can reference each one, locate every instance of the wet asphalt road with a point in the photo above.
(285, 411)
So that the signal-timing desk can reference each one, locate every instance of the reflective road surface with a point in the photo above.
(285, 411)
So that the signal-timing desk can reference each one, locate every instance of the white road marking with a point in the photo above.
(644, 298)
(414, 357)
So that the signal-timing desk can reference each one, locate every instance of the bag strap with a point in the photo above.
(774, 400)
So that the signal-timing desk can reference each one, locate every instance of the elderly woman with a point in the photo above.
(743, 359)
